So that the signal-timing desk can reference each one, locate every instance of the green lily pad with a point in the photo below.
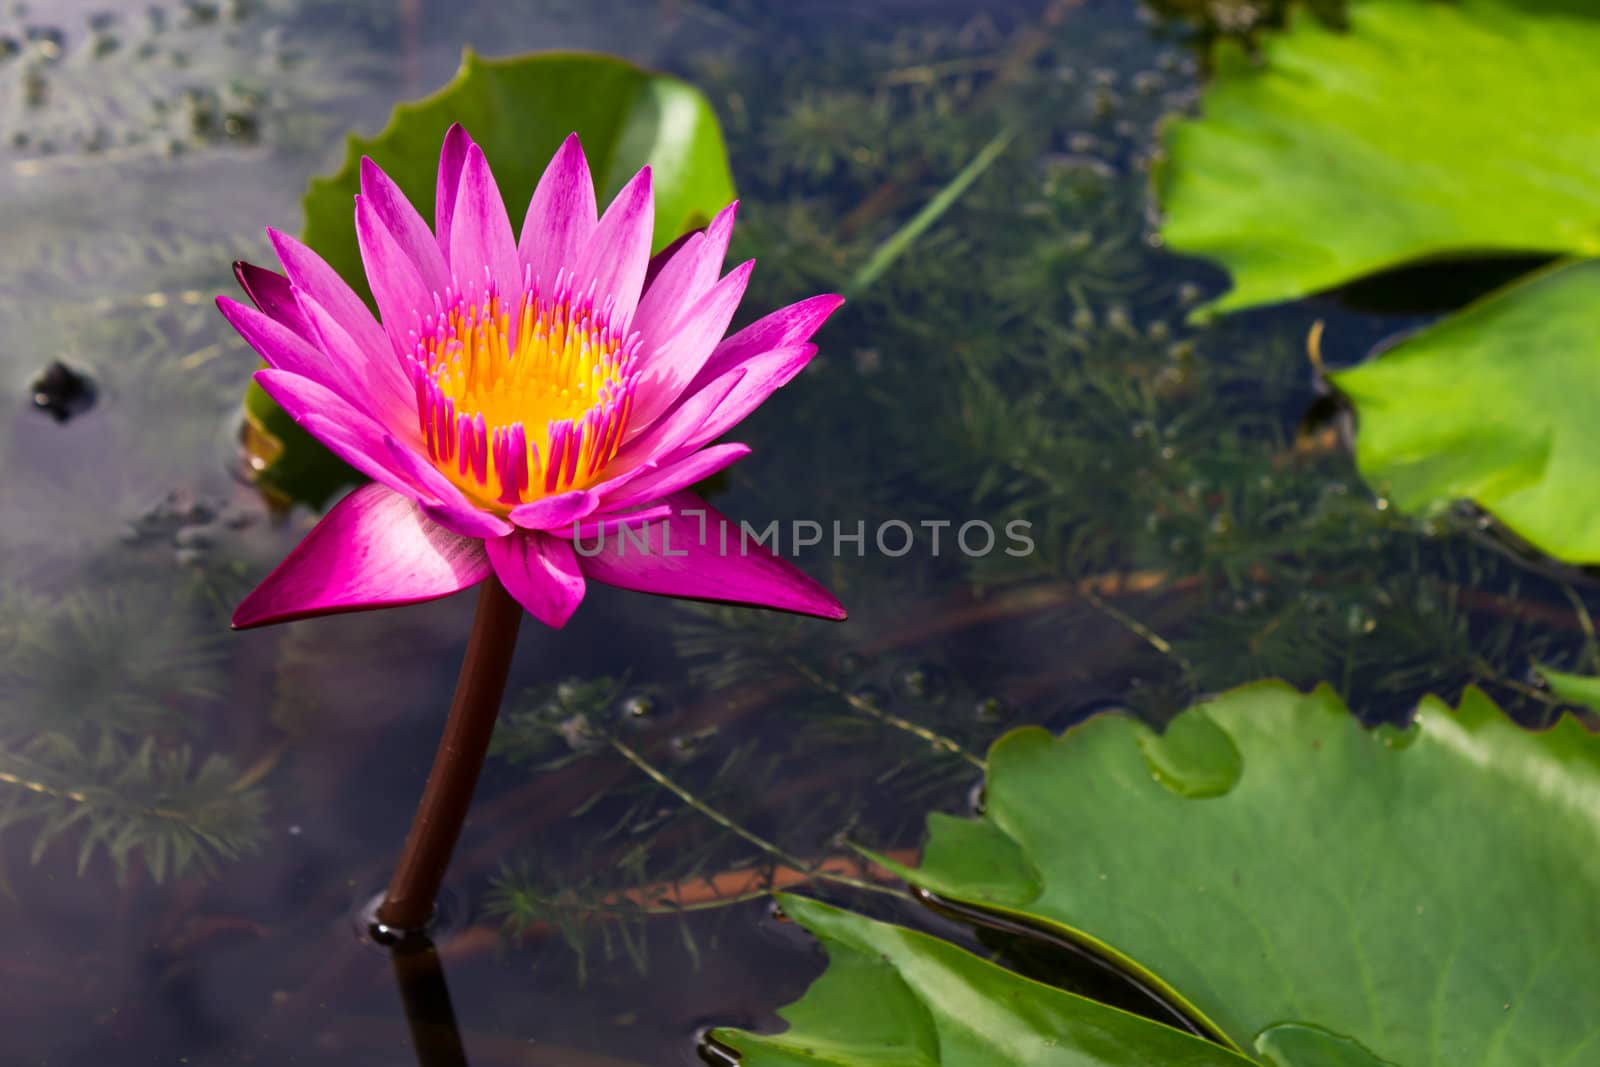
(898, 998)
(1580, 690)
(1495, 405)
(1293, 1045)
(1428, 130)
(1421, 898)
(519, 110)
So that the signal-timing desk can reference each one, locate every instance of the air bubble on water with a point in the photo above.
(923, 682)
(685, 747)
(991, 710)
(1359, 620)
(639, 706)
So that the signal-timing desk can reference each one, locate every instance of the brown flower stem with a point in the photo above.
(408, 904)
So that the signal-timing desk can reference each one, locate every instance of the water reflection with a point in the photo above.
(425, 996)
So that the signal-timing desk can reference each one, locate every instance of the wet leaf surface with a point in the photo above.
(895, 996)
(1426, 895)
(1494, 405)
(1426, 131)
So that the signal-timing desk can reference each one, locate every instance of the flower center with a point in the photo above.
(519, 401)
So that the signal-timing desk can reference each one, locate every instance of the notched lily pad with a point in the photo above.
(1495, 405)
(892, 996)
(1193, 757)
(1430, 901)
(1580, 690)
(1358, 898)
(1426, 131)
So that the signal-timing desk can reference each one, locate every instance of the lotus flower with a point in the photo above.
(514, 394)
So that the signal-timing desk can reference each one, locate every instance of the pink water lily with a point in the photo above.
(513, 394)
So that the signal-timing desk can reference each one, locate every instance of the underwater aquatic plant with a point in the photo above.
(511, 397)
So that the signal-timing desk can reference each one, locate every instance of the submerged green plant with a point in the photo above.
(98, 705)
(1190, 536)
(122, 661)
(178, 818)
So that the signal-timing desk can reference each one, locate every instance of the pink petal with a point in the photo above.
(466, 520)
(618, 253)
(561, 216)
(680, 562)
(541, 572)
(385, 393)
(452, 157)
(442, 499)
(374, 549)
(655, 481)
(552, 512)
(400, 218)
(311, 274)
(783, 328)
(286, 349)
(402, 295)
(480, 232)
(362, 443)
(350, 434)
(759, 378)
(663, 257)
(665, 438)
(675, 361)
(590, 528)
(272, 294)
(684, 278)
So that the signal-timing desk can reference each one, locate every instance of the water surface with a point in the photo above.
(1028, 359)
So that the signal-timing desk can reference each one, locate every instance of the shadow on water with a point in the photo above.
(1436, 286)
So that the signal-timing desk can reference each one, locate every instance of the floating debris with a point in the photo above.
(61, 392)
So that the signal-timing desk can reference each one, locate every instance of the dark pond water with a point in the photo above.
(192, 819)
